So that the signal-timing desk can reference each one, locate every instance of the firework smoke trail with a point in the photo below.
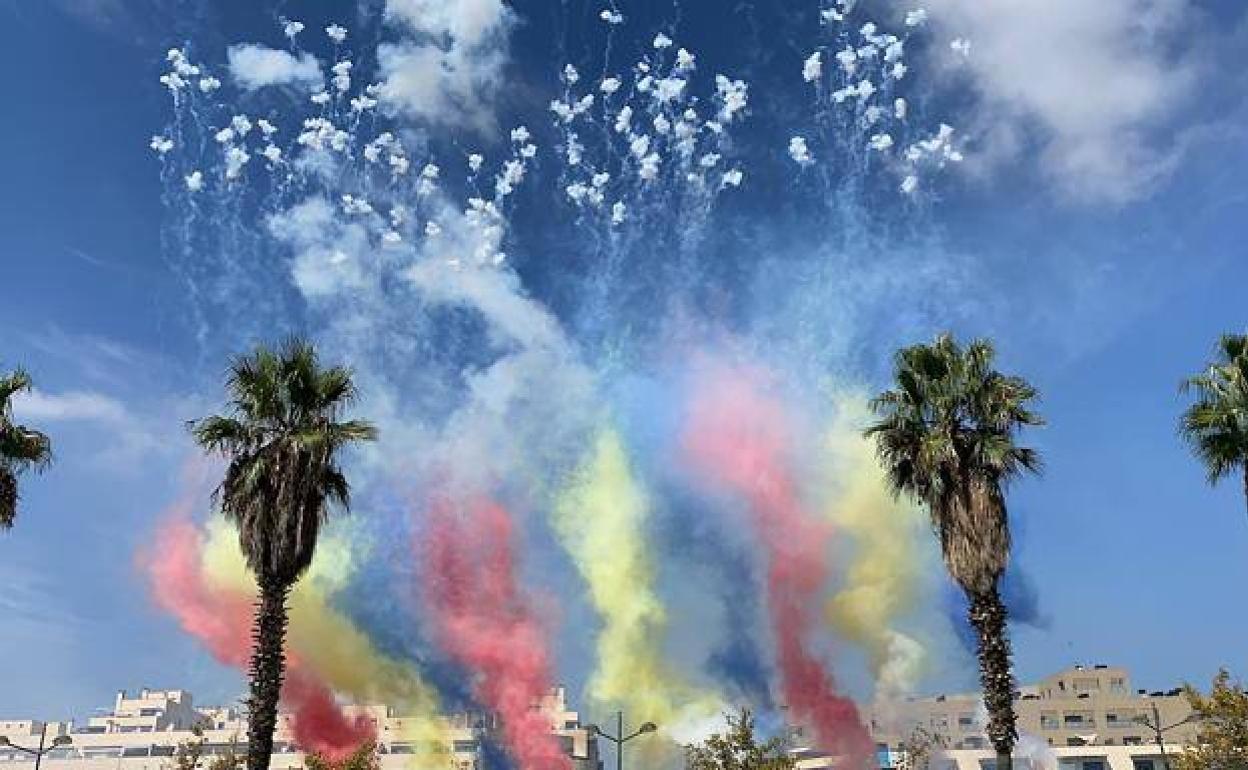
(882, 580)
(739, 438)
(600, 518)
(485, 624)
(325, 641)
(221, 620)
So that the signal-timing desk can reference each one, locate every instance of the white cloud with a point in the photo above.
(256, 66)
(38, 406)
(451, 66)
(1094, 83)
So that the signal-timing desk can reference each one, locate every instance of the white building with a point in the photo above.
(144, 731)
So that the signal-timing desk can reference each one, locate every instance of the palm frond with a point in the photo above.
(947, 436)
(282, 438)
(1215, 424)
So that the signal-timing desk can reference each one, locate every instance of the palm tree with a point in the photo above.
(1216, 426)
(946, 437)
(21, 448)
(281, 440)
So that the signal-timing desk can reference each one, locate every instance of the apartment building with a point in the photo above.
(1080, 706)
(143, 732)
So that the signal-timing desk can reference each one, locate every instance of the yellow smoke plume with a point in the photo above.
(600, 518)
(329, 643)
(883, 577)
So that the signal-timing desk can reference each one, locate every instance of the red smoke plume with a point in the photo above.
(485, 624)
(739, 437)
(222, 620)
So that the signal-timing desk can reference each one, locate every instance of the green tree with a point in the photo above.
(946, 436)
(1216, 425)
(737, 748)
(190, 751)
(21, 448)
(1223, 718)
(363, 758)
(282, 439)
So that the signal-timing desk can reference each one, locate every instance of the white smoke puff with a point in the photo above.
(272, 153)
(812, 69)
(881, 142)
(611, 17)
(254, 66)
(623, 120)
(336, 33)
(520, 134)
(661, 124)
(475, 161)
(866, 89)
(194, 181)
(609, 85)
(898, 71)
(235, 159)
(799, 152)
(650, 167)
(618, 213)
(961, 46)
(909, 184)
(848, 59)
(291, 29)
(224, 136)
(209, 84)
(161, 144)
(452, 65)
(662, 41)
(321, 98)
(670, 89)
(900, 108)
(733, 96)
(733, 178)
(685, 60)
(916, 17)
(241, 125)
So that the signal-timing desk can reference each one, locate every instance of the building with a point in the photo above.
(143, 733)
(1080, 706)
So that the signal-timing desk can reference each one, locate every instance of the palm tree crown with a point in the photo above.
(281, 439)
(21, 448)
(946, 436)
(1216, 425)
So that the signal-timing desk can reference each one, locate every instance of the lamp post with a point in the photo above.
(38, 754)
(1157, 728)
(619, 739)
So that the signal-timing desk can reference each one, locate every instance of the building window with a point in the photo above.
(966, 720)
(1073, 719)
(1094, 764)
(1132, 740)
(1076, 742)
(1143, 764)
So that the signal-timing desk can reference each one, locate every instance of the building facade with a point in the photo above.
(1080, 706)
(144, 731)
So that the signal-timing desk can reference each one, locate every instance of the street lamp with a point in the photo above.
(619, 739)
(1157, 728)
(57, 742)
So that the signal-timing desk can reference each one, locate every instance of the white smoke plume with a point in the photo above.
(256, 66)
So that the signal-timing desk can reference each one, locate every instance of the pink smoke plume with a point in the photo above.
(740, 438)
(485, 624)
(222, 621)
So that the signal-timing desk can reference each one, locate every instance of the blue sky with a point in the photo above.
(1095, 231)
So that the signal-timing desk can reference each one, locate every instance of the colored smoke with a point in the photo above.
(882, 579)
(220, 618)
(324, 640)
(601, 519)
(739, 437)
(486, 625)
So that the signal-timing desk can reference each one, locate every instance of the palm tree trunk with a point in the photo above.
(268, 664)
(988, 616)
